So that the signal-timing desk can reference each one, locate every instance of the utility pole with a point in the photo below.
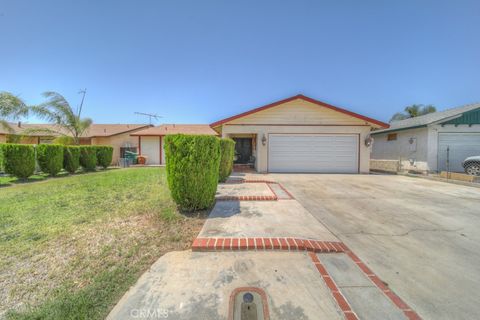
(84, 91)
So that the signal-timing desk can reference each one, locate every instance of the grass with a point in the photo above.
(70, 247)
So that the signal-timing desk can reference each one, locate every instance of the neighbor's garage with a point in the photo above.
(459, 146)
(322, 153)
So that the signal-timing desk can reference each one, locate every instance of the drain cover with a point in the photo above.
(248, 304)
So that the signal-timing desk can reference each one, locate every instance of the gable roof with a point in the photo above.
(166, 129)
(305, 98)
(430, 118)
(95, 130)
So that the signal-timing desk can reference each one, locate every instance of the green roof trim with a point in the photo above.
(470, 118)
(397, 129)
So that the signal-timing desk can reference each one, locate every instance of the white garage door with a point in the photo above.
(151, 149)
(462, 145)
(323, 153)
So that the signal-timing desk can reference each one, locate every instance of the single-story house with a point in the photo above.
(115, 135)
(301, 134)
(151, 143)
(425, 143)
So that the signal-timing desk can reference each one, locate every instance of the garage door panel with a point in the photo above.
(313, 153)
(461, 146)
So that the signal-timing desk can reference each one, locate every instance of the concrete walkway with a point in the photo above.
(264, 245)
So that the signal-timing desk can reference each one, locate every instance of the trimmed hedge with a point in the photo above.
(19, 159)
(71, 158)
(1, 158)
(104, 156)
(227, 150)
(192, 169)
(50, 158)
(88, 157)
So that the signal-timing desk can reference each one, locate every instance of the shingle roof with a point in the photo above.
(429, 118)
(95, 130)
(166, 129)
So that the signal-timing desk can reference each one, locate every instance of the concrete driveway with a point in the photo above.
(420, 236)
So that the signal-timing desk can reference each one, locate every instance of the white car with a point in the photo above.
(472, 165)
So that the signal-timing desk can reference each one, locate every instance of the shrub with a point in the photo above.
(227, 150)
(71, 158)
(19, 159)
(104, 156)
(1, 158)
(192, 170)
(88, 157)
(50, 158)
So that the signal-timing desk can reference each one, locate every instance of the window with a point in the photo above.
(391, 137)
(123, 149)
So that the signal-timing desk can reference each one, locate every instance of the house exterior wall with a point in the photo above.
(298, 112)
(433, 132)
(231, 130)
(150, 147)
(116, 141)
(412, 156)
(3, 138)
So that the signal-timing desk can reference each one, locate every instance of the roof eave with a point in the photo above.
(305, 98)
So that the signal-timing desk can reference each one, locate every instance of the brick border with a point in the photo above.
(268, 182)
(342, 303)
(397, 301)
(281, 243)
(247, 198)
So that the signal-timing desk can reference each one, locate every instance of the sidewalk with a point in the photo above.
(259, 236)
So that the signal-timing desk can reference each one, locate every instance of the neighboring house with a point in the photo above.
(300, 134)
(151, 143)
(425, 143)
(115, 135)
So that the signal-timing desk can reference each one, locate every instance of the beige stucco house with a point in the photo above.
(301, 134)
(115, 135)
(438, 141)
(151, 140)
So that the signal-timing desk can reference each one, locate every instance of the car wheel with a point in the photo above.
(473, 169)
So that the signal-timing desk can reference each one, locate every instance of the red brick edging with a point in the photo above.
(255, 198)
(290, 244)
(247, 198)
(397, 301)
(337, 295)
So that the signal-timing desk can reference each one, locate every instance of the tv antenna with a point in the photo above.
(150, 116)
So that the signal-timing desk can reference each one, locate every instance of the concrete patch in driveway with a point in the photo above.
(192, 285)
(283, 218)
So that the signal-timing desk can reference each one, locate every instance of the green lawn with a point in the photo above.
(71, 246)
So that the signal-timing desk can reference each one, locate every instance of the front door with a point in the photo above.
(243, 150)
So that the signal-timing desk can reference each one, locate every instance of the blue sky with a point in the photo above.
(200, 61)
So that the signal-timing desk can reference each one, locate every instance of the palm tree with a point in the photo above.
(11, 108)
(415, 110)
(66, 121)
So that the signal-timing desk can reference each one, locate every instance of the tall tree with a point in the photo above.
(11, 108)
(413, 111)
(67, 122)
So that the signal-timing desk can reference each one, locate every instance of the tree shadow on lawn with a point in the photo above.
(9, 181)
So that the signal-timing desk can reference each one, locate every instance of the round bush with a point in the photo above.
(19, 159)
(88, 157)
(71, 158)
(104, 156)
(227, 150)
(192, 170)
(50, 158)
